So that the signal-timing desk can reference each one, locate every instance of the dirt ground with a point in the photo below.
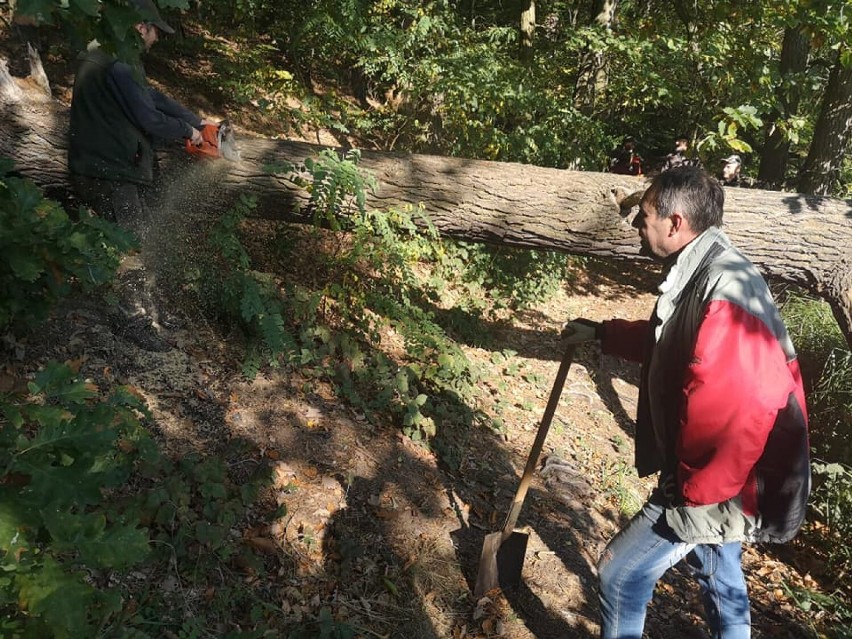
(377, 525)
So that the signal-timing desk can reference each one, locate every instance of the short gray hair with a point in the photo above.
(690, 191)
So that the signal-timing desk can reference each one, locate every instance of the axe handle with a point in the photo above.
(538, 444)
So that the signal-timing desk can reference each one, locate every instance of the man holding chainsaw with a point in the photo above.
(721, 414)
(115, 119)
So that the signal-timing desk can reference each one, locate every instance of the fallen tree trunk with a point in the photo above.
(803, 240)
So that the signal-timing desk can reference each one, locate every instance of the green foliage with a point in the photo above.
(110, 22)
(63, 456)
(336, 187)
(70, 531)
(193, 507)
(832, 610)
(727, 135)
(44, 255)
(827, 370)
(381, 290)
(509, 277)
(332, 317)
(832, 501)
(240, 296)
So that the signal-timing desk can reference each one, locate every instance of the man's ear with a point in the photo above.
(140, 28)
(677, 222)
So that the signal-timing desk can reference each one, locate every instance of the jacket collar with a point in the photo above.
(681, 270)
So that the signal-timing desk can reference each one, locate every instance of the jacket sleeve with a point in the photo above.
(736, 382)
(171, 107)
(138, 102)
(625, 339)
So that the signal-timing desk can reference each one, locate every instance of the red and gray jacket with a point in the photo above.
(721, 406)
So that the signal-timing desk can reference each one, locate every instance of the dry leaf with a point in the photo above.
(263, 544)
(7, 383)
(75, 364)
(135, 392)
(126, 446)
(412, 559)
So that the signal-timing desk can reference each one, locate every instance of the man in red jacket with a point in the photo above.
(721, 414)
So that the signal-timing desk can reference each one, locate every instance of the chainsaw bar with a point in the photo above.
(227, 142)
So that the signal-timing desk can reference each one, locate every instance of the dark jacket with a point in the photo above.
(115, 118)
(721, 408)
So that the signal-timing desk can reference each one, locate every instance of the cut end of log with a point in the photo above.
(37, 74)
(626, 200)
(35, 87)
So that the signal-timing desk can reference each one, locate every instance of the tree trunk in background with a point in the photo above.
(776, 150)
(794, 238)
(831, 134)
(527, 29)
(592, 79)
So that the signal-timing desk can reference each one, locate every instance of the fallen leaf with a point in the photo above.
(135, 392)
(7, 383)
(310, 472)
(126, 446)
(263, 544)
(75, 364)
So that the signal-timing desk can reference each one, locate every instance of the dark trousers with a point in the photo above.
(125, 203)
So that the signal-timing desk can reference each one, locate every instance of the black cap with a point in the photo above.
(150, 14)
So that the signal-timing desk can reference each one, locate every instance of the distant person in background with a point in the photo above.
(625, 160)
(679, 156)
(116, 118)
(730, 173)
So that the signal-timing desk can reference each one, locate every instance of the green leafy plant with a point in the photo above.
(70, 530)
(830, 613)
(64, 455)
(362, 281)
(509, 277)
(729, 128)
(44, 255)
(832, 501)
(336, 187)
(231, 290)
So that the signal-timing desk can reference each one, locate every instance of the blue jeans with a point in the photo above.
(645, 549)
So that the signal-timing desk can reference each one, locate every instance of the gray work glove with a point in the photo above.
(580, 330)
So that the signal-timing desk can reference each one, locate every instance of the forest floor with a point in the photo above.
(375, 526)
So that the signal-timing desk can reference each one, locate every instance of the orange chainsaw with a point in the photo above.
(217, 141)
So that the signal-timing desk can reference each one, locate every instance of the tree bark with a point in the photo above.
(776, 150)
(832, 133)
(527, 29)
(592, 78)
(804, 240)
